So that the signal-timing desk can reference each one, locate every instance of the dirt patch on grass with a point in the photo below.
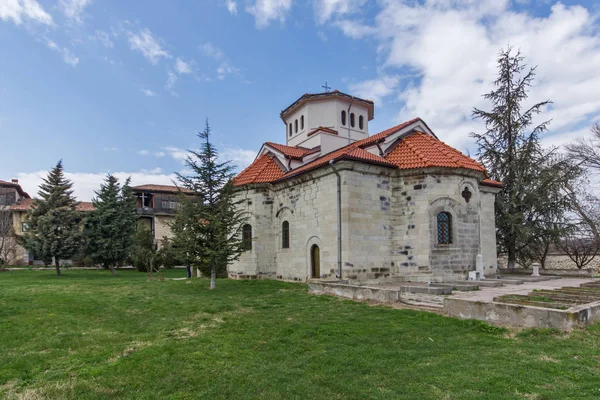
(135, 346)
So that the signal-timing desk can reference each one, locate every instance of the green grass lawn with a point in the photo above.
(90, 335)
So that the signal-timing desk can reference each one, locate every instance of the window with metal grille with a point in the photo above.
(444, 228)
(291, 129)
(343, 117)
(352, 120)
(285, 235)
(302, 122)
(247, 237)
(361, 123)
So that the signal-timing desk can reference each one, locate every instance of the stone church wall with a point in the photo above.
(388, 225)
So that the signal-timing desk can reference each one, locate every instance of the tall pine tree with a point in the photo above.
(54, 224)
(110, 228)
(532, 204)
(208, 223)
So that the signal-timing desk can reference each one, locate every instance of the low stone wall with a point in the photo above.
(354, 292)
(580, 273)
(560, 262)
(525, 316)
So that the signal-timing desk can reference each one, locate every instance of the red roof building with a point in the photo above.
(335, 201)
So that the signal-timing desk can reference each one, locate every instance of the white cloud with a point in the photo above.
(176, 153)
(181, 67)
(19, 10)
(145, 43)
(84, 184)
(241, 158)
(264, 11)
(225, 69)
(326, 9)
(231, 6)
(171, 80)
(103, 38)
(212, 51)
(451, 48)
(147, 92)
(143, 152)
(110, 149)
(74, 9)
(67, 56)
(375, 89)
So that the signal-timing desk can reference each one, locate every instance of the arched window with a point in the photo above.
(247, 237)
(296, 125)
(302, 122)
(290, 129)
(343, 117)
(352, 120)
(361, 122)
(444, 228)
(285, 235)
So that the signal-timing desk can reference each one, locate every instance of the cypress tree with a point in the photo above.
(54, 224)
(208, 222)
(111, 226)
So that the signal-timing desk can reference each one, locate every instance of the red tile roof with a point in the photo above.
(415, 150)
(264, 169)
(15, 186)
(491, 182)
(295, 152)
(420, 150)
(27, 204)
(159, 188)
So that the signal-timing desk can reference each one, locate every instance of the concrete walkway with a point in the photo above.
(487, 294)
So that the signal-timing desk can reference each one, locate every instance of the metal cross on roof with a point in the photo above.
(326, 87)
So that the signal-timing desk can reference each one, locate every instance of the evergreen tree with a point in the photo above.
(110, 228)
(54, 224)
(532, 202)
(208, 223)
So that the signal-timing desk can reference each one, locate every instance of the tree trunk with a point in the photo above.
(213, 275)
(198, 272)
(112, 270)
(57, 264)
(512, 259)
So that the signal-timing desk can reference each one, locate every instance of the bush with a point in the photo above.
(143, 252)
(169, 257)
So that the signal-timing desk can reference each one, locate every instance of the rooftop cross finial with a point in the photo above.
(326, 87)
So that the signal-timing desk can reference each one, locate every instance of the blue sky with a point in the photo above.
(121, 87)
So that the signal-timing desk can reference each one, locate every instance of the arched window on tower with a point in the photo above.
(285, 235)
(444, 228)
(296, 125)
(343, 117)
(302, 122)
(290, 129)
(352, 120)
(361, 122)
(247, 237)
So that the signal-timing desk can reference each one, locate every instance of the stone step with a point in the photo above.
(461, 287)
(422, 300)
(503, 281)
(530, 278)
(483, 283)
(425, 289)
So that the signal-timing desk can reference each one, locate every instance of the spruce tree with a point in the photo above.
(208, 222)
(54, 224)
(532, 203)
(110, 228)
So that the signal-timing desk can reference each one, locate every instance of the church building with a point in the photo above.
(337, 202)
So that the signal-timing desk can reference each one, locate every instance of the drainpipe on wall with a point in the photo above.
(348, 121)
(339, 219)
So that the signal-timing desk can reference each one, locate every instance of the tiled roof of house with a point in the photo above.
(27, 204)
(413, 151)
(160, 188)
(491, 182)
(15, 186)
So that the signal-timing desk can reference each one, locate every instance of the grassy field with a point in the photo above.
(90, 335)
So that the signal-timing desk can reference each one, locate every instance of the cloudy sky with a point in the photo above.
(122, 87)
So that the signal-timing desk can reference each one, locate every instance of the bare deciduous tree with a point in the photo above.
(587, 151)
(581, 247)
(8, 241)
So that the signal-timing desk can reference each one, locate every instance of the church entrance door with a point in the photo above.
(315, 261)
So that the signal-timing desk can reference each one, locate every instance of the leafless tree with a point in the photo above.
(580, 246)
(8, 241)
(587, 151)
